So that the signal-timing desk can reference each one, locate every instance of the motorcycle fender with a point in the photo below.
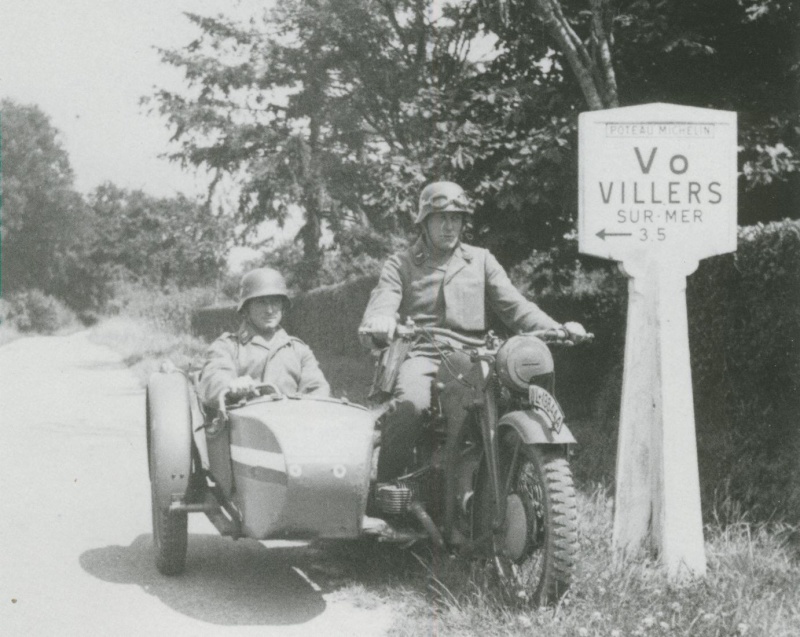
(534, 428)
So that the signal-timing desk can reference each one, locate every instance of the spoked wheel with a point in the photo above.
(535, 549)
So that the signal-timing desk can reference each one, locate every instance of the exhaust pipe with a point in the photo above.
(422, 515)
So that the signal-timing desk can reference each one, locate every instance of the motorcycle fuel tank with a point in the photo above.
(301, 467)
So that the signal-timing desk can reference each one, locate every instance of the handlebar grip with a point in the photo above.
(559, 335)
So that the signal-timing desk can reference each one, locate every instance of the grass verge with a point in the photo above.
(751, 589)
(143, 346)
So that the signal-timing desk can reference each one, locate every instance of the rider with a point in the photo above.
(260, 351)
(439, 281)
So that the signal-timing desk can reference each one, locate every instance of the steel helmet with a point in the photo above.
(442, 196)
(261, 282)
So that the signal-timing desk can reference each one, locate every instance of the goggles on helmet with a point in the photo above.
(443, 196)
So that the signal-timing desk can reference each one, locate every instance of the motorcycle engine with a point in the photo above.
(522, 361)
(395, 497)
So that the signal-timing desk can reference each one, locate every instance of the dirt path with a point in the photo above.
(75, 535)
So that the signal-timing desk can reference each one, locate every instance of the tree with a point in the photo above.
(157, 241)
(312, 107)
(45, 224)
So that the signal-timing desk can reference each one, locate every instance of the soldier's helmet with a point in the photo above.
(442, 196)
(262, 282)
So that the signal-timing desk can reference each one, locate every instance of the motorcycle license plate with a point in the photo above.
(543, 400)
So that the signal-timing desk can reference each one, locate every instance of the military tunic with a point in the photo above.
(284, 361)
(456, 294)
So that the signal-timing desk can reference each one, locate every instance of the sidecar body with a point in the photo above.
(276, 466)
(295, 467)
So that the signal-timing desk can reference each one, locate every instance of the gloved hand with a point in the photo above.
(241, 387)
(379, 329)
(576, 331)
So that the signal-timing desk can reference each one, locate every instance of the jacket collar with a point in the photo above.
(421, 252)
(246, 334)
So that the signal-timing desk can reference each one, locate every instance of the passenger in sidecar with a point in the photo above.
(260, 351)
(255, 442)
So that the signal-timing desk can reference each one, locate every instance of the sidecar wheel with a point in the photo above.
(537, 546)
(170, 539)
(169, 453)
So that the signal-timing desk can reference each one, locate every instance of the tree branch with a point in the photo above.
(388, 8)
(573, 50)
(606, 67)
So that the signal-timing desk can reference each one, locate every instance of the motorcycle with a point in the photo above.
(490, 479)
(492, 476)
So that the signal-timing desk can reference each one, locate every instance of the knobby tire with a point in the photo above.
(543, 480)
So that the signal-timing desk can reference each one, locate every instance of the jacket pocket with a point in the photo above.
(464, 301)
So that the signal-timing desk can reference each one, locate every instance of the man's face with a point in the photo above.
(444, 229)
(265, 312)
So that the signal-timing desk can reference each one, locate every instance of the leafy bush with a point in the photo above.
(168, 311)
(744, 321)
(35, 311)
(144, 347)
(744, 318)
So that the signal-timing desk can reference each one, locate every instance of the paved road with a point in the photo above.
(75, 535)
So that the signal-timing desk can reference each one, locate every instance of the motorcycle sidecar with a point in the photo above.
(276, 466)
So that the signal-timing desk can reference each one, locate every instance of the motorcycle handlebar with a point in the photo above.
(559, 336)
(404, 331)
(556, 335)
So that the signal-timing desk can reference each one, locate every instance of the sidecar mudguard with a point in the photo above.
(169, 436)
(534, 428)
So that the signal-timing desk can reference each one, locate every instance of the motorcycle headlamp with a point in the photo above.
(520, 360)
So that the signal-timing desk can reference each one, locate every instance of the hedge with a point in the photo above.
(744, 330)
(744, 333)
(36, 311)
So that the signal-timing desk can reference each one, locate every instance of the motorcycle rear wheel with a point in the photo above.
(536, 548)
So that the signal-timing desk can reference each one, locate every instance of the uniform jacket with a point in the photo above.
(284, 361)
(473, 283)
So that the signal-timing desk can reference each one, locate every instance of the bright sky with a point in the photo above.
(86, 63)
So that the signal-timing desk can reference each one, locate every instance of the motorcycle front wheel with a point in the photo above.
(536, 545)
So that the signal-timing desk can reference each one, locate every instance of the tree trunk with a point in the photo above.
(313, 190)
(594, 71)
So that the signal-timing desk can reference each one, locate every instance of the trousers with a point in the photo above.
(404, 426)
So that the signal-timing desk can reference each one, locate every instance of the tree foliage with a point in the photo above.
(742, 56)
(156, 240)
(45, 224)
(55, 241)
(344, 109)
(319, 107)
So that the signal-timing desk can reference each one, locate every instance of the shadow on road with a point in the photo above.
(226, 582)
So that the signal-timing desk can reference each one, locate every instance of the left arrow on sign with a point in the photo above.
(603, 234)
